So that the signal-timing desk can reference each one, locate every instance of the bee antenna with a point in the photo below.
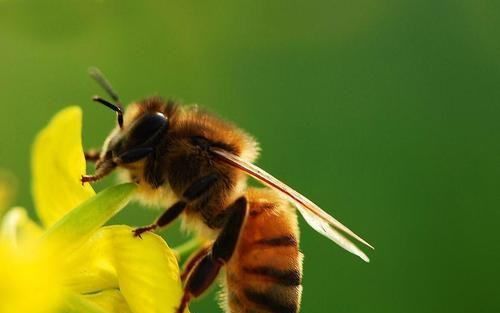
(117, 108)
(99, 77)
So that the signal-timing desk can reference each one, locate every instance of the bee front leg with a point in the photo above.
(102, 170)
(206, 270)
(198, 188)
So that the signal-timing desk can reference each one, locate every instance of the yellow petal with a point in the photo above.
(76, 227)
(144, 270)
(78, 304)
(30, 280)
(18, 229)
(111, 301)
(58, 164)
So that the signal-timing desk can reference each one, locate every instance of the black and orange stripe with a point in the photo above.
(265, 273)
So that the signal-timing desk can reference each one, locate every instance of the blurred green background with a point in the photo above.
(386, 113)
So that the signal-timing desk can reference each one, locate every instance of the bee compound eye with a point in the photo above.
(148, 128)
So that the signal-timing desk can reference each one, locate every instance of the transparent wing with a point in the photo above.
(318, 219)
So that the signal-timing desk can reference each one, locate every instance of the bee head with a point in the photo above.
(131, 141)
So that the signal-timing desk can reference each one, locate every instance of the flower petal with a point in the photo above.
(111, 301)
(57, 164)
(78, 304)
(30, 280)
(76, 227)
(17, 228)
(144, 270)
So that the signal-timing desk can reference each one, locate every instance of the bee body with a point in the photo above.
(265, 272)
(197, 165)
(181, 158)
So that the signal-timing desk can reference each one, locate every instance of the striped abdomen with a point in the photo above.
(265, 273)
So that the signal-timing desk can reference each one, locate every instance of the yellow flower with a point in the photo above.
(72, 264)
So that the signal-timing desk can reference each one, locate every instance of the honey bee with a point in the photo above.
(197, 165)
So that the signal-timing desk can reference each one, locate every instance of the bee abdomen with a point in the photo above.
(291, 277)
(265, 273)
(269, 301)
(281, 241)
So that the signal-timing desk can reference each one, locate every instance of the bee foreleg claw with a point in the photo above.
(139, 231)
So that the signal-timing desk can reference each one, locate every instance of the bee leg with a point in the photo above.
(193, 261)
(199, 187)
(194, 191)
(207, 269)
(166, 218)
(92, 155)
(103, 169)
